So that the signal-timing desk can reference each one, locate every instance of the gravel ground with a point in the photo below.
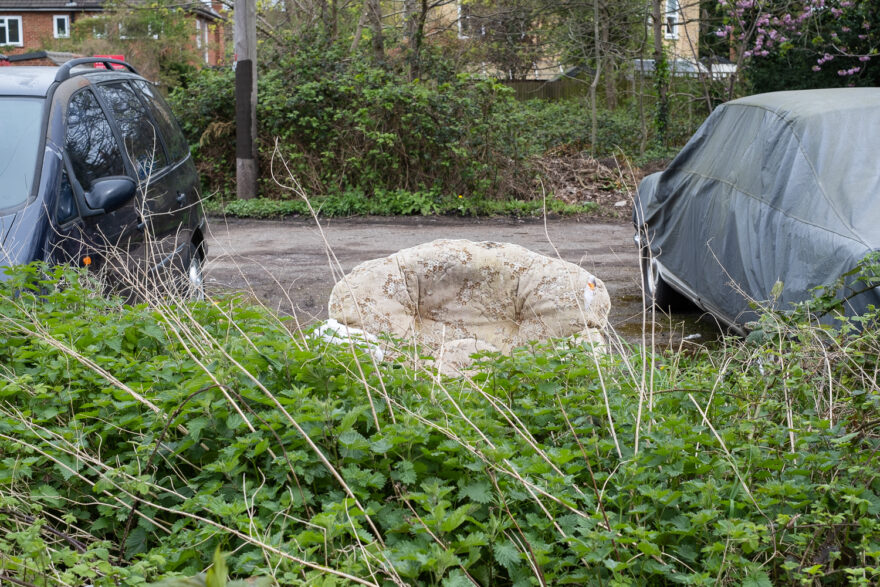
(291, 265)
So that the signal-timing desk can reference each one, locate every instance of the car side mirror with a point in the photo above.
(109, 193)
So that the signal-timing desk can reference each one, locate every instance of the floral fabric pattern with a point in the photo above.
(498, 295)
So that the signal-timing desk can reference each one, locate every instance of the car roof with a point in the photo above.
(811, 154)
(35, 80)
(26, 80)
(799, 105)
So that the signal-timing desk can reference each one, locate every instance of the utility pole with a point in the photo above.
(245, 99)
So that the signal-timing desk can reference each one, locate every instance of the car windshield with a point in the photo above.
(20, 122)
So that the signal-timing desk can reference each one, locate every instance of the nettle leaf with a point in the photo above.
(67, 468)
(757, 579)
(457, 578)
(455, 518)
(153, 331)
(473, 540)
(224, 464)
(136, 542)
(353, 440)
(350, 418)
(196, 426)
(381, 446)
(506, 554)
(234, 420)
(405, 472)
(47, 494)
(479, 491)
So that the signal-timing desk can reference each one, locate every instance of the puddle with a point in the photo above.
(686, 327)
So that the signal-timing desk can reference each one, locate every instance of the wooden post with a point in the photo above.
(245, 99)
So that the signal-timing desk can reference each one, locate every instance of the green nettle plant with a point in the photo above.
(143, 443)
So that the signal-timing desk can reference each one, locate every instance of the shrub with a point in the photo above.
(347, 125)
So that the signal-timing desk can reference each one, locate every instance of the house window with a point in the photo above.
(673, 11)
(202, 39)
(136, 30)
(10, 31)
(61, 24)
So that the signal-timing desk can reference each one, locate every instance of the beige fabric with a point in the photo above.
(499, 294)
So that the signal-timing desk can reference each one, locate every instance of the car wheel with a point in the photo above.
(195, 276)
(656, 291)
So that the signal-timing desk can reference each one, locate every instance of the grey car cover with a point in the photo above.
(778, 187)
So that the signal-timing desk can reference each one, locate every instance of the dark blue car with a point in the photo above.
(94, 171)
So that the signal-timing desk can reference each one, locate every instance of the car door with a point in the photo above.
(160, 177)
(182, 176)
(145, 153)
(93, 153)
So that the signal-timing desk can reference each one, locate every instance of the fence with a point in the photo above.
(560, 89)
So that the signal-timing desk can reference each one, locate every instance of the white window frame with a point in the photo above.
(62, 18)
(4, 23)
(671, 19)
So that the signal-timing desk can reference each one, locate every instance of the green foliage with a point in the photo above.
(364, 139)
(346, 125)
(134, 444)
(844, 306)
(661, 85)
(565, 123)
(808, 45)
(792, 70)
(508, 40)
(156, 37)
(398, 203)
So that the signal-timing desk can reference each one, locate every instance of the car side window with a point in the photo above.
(90, 144)
(178, 148)
(143, 143)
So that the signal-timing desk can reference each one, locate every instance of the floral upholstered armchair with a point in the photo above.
(457, 297)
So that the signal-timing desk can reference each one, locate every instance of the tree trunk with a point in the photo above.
(610, 70)
(661, 73)
(594, 109)
(418, 38)
(356, 40)
(410, 19)
(374, 17)
(332, 22)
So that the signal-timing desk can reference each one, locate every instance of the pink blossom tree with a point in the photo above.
(834, 35)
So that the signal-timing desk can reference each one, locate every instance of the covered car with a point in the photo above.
(775, 189)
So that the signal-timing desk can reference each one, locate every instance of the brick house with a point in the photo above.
(30, 26)
(681, 28)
